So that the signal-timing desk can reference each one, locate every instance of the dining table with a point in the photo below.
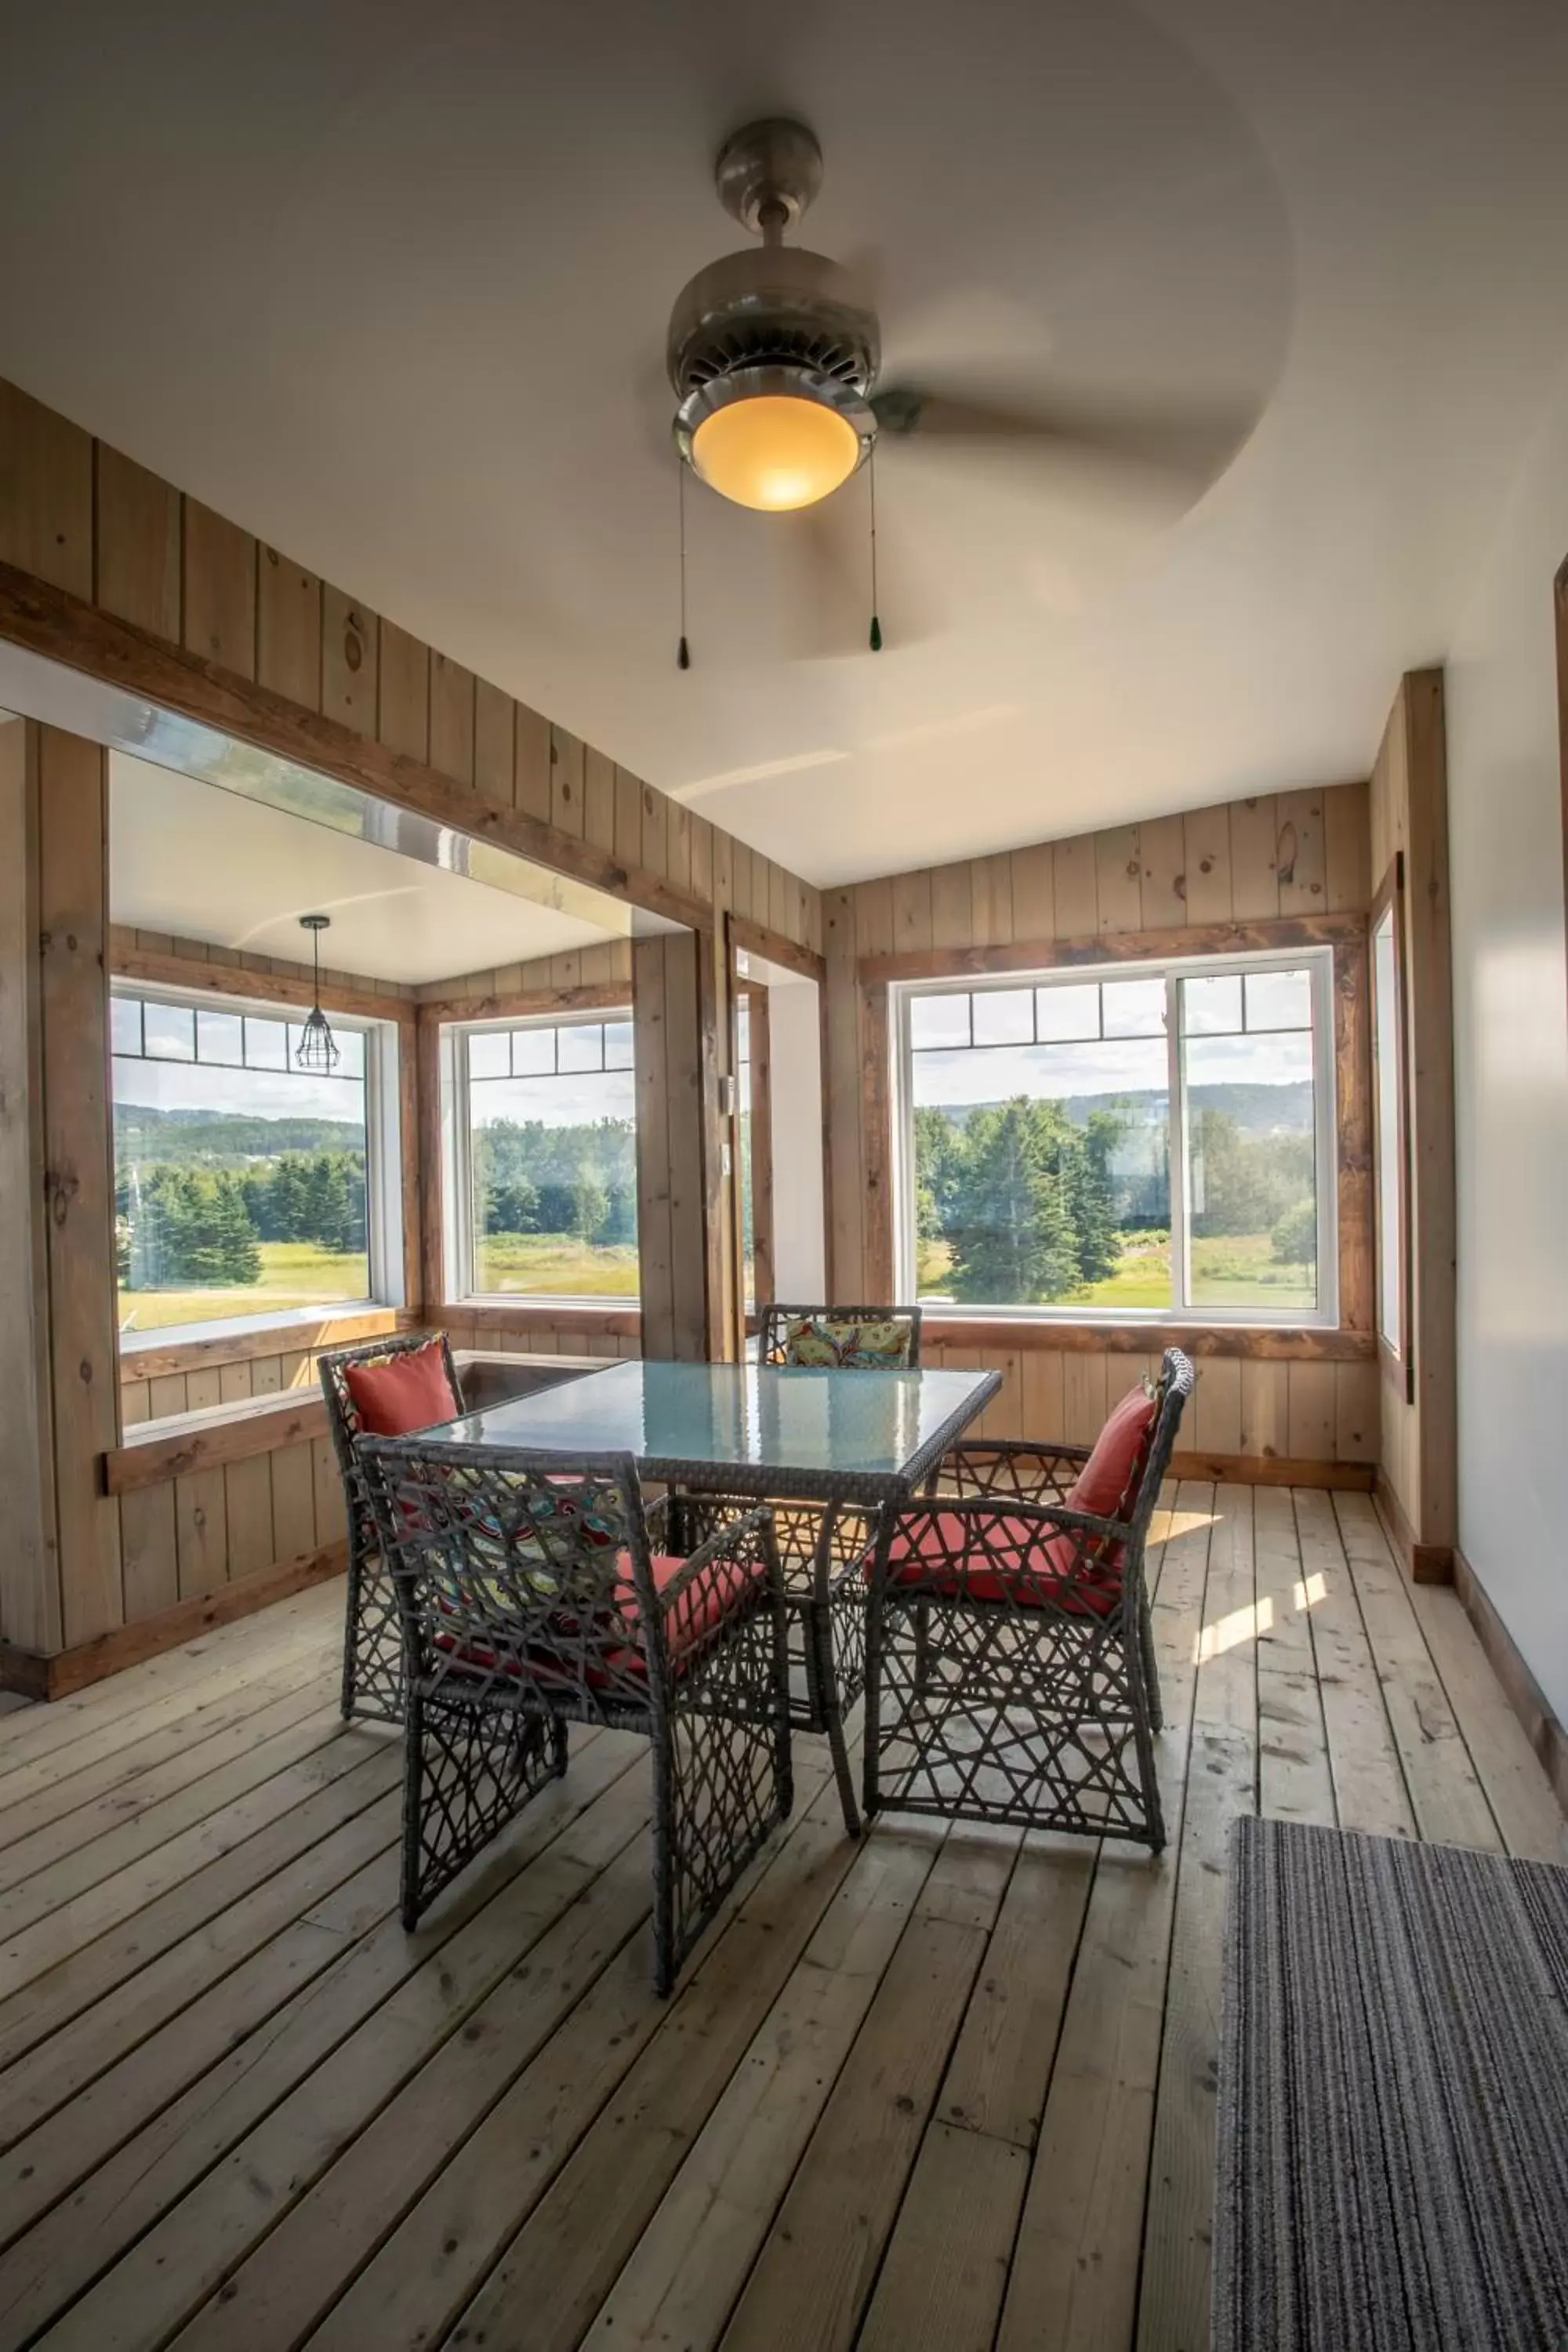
(797, 1434)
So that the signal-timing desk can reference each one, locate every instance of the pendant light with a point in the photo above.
(317, 1049)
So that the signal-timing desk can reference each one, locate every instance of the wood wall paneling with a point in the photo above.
(289, 629)
(137, 545)
(220, 614)
(46, 494)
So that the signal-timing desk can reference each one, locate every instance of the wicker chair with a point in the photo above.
(373, 1634)
(1010, 1672)
(822, 1546)
(532, 1597)
(785, 1335)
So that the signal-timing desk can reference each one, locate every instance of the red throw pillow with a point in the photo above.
(1109, 1479)
(398, 1394)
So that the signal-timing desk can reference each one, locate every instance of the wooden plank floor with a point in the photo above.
(936, 2093)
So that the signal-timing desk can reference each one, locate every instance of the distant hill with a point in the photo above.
(1256, 1109)
(223, 1138)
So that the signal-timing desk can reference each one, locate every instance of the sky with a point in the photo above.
(555, 1102)
(252, 1094)
(1134, 1066)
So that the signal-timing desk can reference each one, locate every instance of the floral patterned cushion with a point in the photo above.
(828, 1343)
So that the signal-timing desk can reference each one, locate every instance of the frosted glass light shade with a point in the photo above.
(777, 451)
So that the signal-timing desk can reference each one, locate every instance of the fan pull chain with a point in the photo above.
(876, 624)
(683, 652)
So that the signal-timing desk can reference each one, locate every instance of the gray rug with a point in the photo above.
(1392, 2147)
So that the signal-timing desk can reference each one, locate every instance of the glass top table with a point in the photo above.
(749, 1429)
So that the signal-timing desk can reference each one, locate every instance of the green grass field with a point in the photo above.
(293, 1274)
(1230, 1270)
(296, 1273)
(555, 1265)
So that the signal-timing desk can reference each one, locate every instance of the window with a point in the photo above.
(244, 1185)
(543, 1158)
(1121, 1142)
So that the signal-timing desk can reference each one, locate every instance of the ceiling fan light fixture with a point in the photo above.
(775, 451)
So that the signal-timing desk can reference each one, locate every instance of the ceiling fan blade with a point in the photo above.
(1193, 446)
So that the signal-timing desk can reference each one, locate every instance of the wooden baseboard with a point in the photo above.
(1273, 1470)
(1520, 1688)
(129, 1646)
(1423, 1563)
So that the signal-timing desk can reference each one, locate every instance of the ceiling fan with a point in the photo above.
(775, 357)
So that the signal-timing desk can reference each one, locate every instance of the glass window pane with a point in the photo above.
(936, 1021)
(171, 1032)
(1278, 1000)
(532, 1053)
(489, 1054)
(580, 1045)
(1212, 1008)
(1042, 1174)
(239, 1190)
(1252, 1171)
(266, 1044)
(1003, 1016)
(1067, 1011)
(553, 1163)
(220, 1037)
(618, 1053)
(125, 1023)
(1135, 1008)
(351, 1045)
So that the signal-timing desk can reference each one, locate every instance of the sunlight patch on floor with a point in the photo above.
(1229, 1632)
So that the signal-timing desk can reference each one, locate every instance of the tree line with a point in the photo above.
(179, 1226)
(577, 1182)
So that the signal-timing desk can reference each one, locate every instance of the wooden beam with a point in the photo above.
(30, 1556)
(65, 629)
(79, 1169)
(756, 939)
(158, 971)
(525, 1003)
(959, 962)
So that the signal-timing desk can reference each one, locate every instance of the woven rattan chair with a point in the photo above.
(1010, 1671)
(822, 1546)
(373, 1634)
(847, 1338)
(532, 1596)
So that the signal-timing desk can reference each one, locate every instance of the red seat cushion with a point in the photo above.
(1017, 1566)
(395, 1395)
(1020, 1567)
(719, 1591)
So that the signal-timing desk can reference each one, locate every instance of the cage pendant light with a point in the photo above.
(317, 1049)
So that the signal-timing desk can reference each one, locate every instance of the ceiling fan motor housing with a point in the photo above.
(773, 319)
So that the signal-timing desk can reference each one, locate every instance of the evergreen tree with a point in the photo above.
(1091, 1197)
(1009, 1225)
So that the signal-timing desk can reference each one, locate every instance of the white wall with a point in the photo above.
(1510, 1011)
(795, 1042)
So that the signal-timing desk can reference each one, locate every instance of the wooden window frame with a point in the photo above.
(389, 1035)
(1388, 905)
(452, 1137)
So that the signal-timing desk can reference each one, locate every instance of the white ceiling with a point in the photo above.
(205, 864)
(389, 285)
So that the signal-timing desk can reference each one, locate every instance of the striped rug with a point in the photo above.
(1393, 2165)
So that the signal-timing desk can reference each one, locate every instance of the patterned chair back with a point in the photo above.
(528, 1567)
(841, 1338)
